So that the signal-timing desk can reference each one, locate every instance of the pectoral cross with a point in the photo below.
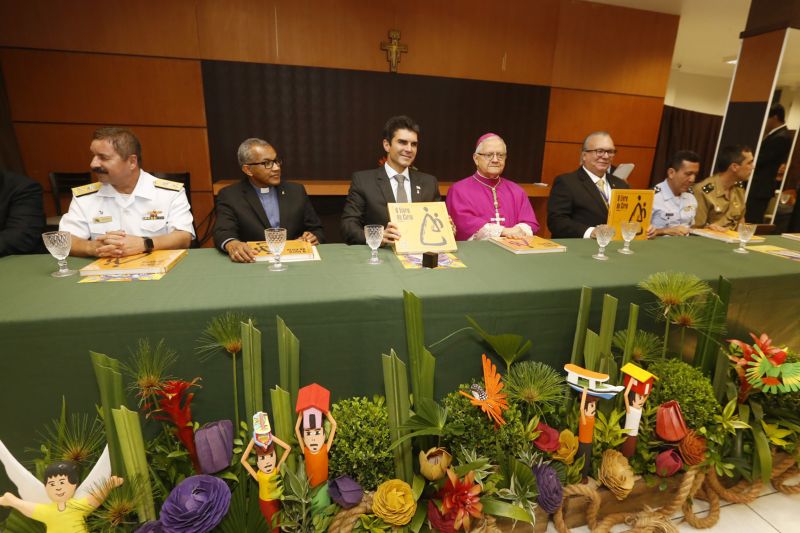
(394, 49)
(497, 219)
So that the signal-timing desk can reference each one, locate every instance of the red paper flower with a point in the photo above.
(668, 463)
(175, 406)
(547, 441)
(438, 521)
(762, 346)
(460, 499)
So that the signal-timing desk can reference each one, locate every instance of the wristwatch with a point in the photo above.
(148, 244)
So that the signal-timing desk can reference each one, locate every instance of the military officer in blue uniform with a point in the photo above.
(128, 211)
(674, 205)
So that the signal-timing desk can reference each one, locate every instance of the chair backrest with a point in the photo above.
(180, 177)
(62, 182)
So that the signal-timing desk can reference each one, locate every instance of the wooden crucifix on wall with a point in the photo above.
(393, 49)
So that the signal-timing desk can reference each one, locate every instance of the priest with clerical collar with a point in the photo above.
(487, 205)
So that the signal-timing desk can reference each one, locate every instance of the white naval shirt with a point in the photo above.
(670, 210)
(149, 211)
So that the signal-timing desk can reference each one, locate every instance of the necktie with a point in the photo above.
(401, 195)
(601, 186)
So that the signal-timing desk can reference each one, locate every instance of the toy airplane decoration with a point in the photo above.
(595, 382)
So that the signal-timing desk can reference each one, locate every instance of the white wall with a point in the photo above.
(790, 99)
(696, 92)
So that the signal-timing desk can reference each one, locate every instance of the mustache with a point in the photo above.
(99, 170)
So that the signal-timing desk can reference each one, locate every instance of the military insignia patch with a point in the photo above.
(83, 190)
(657, 189)
(708, 187)
(169, 185)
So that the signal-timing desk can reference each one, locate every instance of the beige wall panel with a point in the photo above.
(613, 49)
(757, 67)
(631, 120)
(560, 158)
(103, 89)
(146, 27)
(47, 148)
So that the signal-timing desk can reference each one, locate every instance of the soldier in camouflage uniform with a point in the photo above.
(720, 198)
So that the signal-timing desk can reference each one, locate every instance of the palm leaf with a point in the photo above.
(395, 381)
(288, 359)
(422, 362)
(508, 347)
(129, 429)
(109, 381)
(251, 370)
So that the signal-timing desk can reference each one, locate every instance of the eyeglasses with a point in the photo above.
(600, 152)
(268, 164)
(498, 155)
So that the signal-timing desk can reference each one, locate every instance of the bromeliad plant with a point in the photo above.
(175, 406)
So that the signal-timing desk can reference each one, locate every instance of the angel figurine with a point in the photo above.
(268, 474)
(59, 503)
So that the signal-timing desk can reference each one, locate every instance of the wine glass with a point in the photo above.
(374, 235)
(603, 233)
(629, 232)
(276, 240)
(746, 231)
(58, 243)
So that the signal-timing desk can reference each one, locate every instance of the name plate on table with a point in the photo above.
(424, 227)
(630, 205)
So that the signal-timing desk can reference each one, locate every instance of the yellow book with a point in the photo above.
(776, 251)
(793, 236)
(630, 205)
(724, 236)
(295, 250)
(155, 262)
(528, 245)
(424, 227)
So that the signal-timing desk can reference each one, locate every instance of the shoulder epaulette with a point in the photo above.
(83, 190)
(657, 189)
(742, 184)
(167, 184)
(690, 189)
(708, 187)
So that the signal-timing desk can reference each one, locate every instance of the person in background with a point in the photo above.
(21, 214)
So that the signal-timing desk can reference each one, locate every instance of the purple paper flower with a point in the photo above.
(153, 526)
(345, 491)
(214, 444)
(196, 505)
(551, 493)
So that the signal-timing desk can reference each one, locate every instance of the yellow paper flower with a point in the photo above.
(567, 447)
(616, 474)
(433, 464)
(394, 502)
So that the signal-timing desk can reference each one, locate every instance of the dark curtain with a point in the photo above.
(10, 158)
(682, 129)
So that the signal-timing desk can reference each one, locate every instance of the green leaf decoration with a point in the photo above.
(591, 351)
(420, 515)
(422, 362)
(132, 449)
(109, 381)
(395, 381)
(430, 419)
(251, 370)
(244, 513)
(709, 342)
(762, 456)
(283, 421)
(508, 347)
(505, 510)
(288, 360)
(584, 308)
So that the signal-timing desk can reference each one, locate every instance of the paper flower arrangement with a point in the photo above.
(548, 439)
(345, 492)
(616, 474)
(489, 398)
(567, 447)
(196, 505)
(668, 463)
(461, 499)
(551, 493)
(693, 448)
(434, 463)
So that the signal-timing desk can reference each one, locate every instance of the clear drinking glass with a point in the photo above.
(603, 233)
(746, 232)
(276, 240)
(629, 231)
(374, 235)
(58, 243)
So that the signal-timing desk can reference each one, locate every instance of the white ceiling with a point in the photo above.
(708, 31)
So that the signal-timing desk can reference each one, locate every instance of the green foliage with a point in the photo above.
(119, 510)
(369, 523)
(361, 447)
(244, 513)
(608, 434)
(646, 346)
(169, 464)
(429, 418)
(647, 447)
(518, 486)
(689, 387)
(19, 523)
(77, 437)
(674, 288)
(476, 432)
(147, 368)
(295, 515)
(537, 389)
(507, 346)
(398, 407)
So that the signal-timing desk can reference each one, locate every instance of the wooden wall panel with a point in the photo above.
(102, 89)
(631, 120)
(65, 148)
(613, 49)
(146, 27)
(757, 67)
(565, 157)
(237, 30)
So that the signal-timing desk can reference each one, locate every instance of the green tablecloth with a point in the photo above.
(345, 313)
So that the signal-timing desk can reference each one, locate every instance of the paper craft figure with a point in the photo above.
(638, 386)
(59, 503)
(489, 398)
(312, 401)
(268, 474)
(592, 387)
